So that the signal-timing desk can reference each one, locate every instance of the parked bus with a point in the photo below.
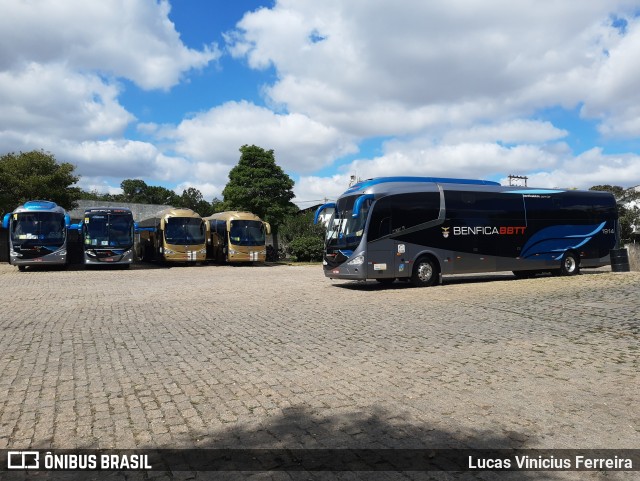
(418, 229)
(108, 236)
(236, 237)
(173, 235)
(37, 234)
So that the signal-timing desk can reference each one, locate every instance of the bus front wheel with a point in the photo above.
(425, 272)
(570, 265)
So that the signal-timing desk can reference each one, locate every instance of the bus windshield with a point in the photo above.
(344, 231)
(36, 228)
(184, 230)
(108, 230)
(247, 233)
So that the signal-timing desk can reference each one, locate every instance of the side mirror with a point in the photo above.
(267, 228)
(5, 221)
(330, 205)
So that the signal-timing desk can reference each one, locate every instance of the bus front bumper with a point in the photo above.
(248, 256)
(55, 258)
(354, 273)
(102, 258)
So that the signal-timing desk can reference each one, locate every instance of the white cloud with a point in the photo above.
(55, 101)
(516, 131)
(458, 87)
(124, 38)
(98, 184)
(466, 160)
(615, 98)
(300, 143)
(355, 64)
(311, 190)
(111, 157)
(60, 70)
(452, 83)
(590, 168)
(208, 190)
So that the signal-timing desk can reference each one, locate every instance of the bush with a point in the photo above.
(306, 249)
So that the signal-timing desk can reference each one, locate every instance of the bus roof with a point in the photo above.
(173, 212)
(39, 206)
(383, 186)
(234, 215)
(365, 184)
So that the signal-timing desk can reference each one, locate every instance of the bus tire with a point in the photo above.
(22, 268)
(426, 272)
(570, 264)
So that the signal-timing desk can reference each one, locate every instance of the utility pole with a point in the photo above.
(513, 179)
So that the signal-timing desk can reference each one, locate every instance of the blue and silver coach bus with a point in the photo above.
(420, 228)
(108, 235)
(37, 234)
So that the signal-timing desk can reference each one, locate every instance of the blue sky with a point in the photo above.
(167, 91)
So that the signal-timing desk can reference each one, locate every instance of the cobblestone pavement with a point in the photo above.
(280, 356)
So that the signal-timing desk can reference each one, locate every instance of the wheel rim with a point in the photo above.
(570, 264)
(425, 272)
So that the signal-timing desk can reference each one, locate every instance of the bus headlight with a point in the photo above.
(168, 252)
(356, 261)
(202, 251)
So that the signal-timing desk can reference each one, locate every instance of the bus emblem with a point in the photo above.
(445, 232)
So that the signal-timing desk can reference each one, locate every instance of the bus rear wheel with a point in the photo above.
(570, 266)
(425, 272)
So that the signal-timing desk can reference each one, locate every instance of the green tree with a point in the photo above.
(36, 175)
(302, 239)
(136, 190)
(257, 184)
(217, 205)
(95, 195)
(161, 195)
(192, 198)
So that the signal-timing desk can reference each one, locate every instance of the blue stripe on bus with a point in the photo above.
(559, 239)
(534, 191)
